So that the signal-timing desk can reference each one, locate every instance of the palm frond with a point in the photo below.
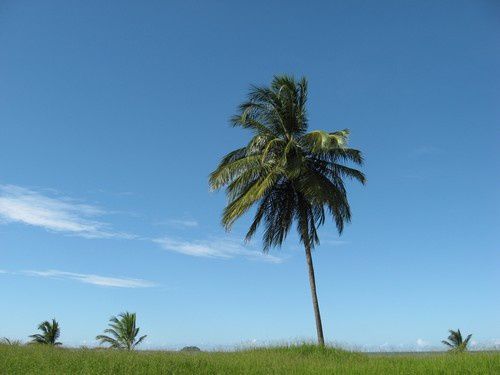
(140, 340)
(320, 141)
(241, 204)
(467, 339)
(227, 172)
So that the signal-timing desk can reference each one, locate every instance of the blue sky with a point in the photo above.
(112, 115)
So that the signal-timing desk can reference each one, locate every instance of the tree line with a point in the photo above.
(123, 334)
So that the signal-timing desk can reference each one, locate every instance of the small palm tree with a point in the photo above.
(123, 332)
(455, 341)
(50, 333)
(7, 341)
(290, 174)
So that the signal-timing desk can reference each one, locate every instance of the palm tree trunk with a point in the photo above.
(312, 282)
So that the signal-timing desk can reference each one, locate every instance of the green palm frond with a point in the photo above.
(447, 343)
(320, 141)
(227, 172)
(122, 333)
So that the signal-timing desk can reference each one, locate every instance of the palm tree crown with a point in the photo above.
(455, 341)
(292, 175)
(50, 333)
(123, 332)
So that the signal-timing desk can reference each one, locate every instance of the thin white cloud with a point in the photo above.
(116, 282)
(217, 248)
(183, 223)
(54, 213)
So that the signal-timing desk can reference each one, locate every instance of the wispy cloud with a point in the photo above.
(216, 248)
(55, 213)
(186, 223)
(116, 282)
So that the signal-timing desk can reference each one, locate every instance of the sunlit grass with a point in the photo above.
(294, 359)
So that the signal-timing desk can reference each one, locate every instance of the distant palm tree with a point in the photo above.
(50, 333)
(7, 341)
(123, 332)
(455, 341)
(290, 174)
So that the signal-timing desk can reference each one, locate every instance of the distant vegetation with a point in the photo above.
(190, 349)
(455, 341)
(122, 332)
(50, 333)
(7, 341)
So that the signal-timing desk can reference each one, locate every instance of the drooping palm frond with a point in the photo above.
(50, 333)
(455, 341)
(122, 332)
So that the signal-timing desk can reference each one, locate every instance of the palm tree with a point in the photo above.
(50, 333)
(7, 341)
(123, 332)
(455, 341)
(290, 174)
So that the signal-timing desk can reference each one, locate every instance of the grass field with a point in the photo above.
(302, 359)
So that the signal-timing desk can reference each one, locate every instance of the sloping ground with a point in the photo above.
(303, 359)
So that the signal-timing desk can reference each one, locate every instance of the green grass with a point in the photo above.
(300, 359)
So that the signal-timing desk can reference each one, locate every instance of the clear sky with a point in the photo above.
(112, 115)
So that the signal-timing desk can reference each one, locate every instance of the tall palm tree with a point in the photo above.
(50, 333)
(455, 341)
(290, 174)
(123, 332)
